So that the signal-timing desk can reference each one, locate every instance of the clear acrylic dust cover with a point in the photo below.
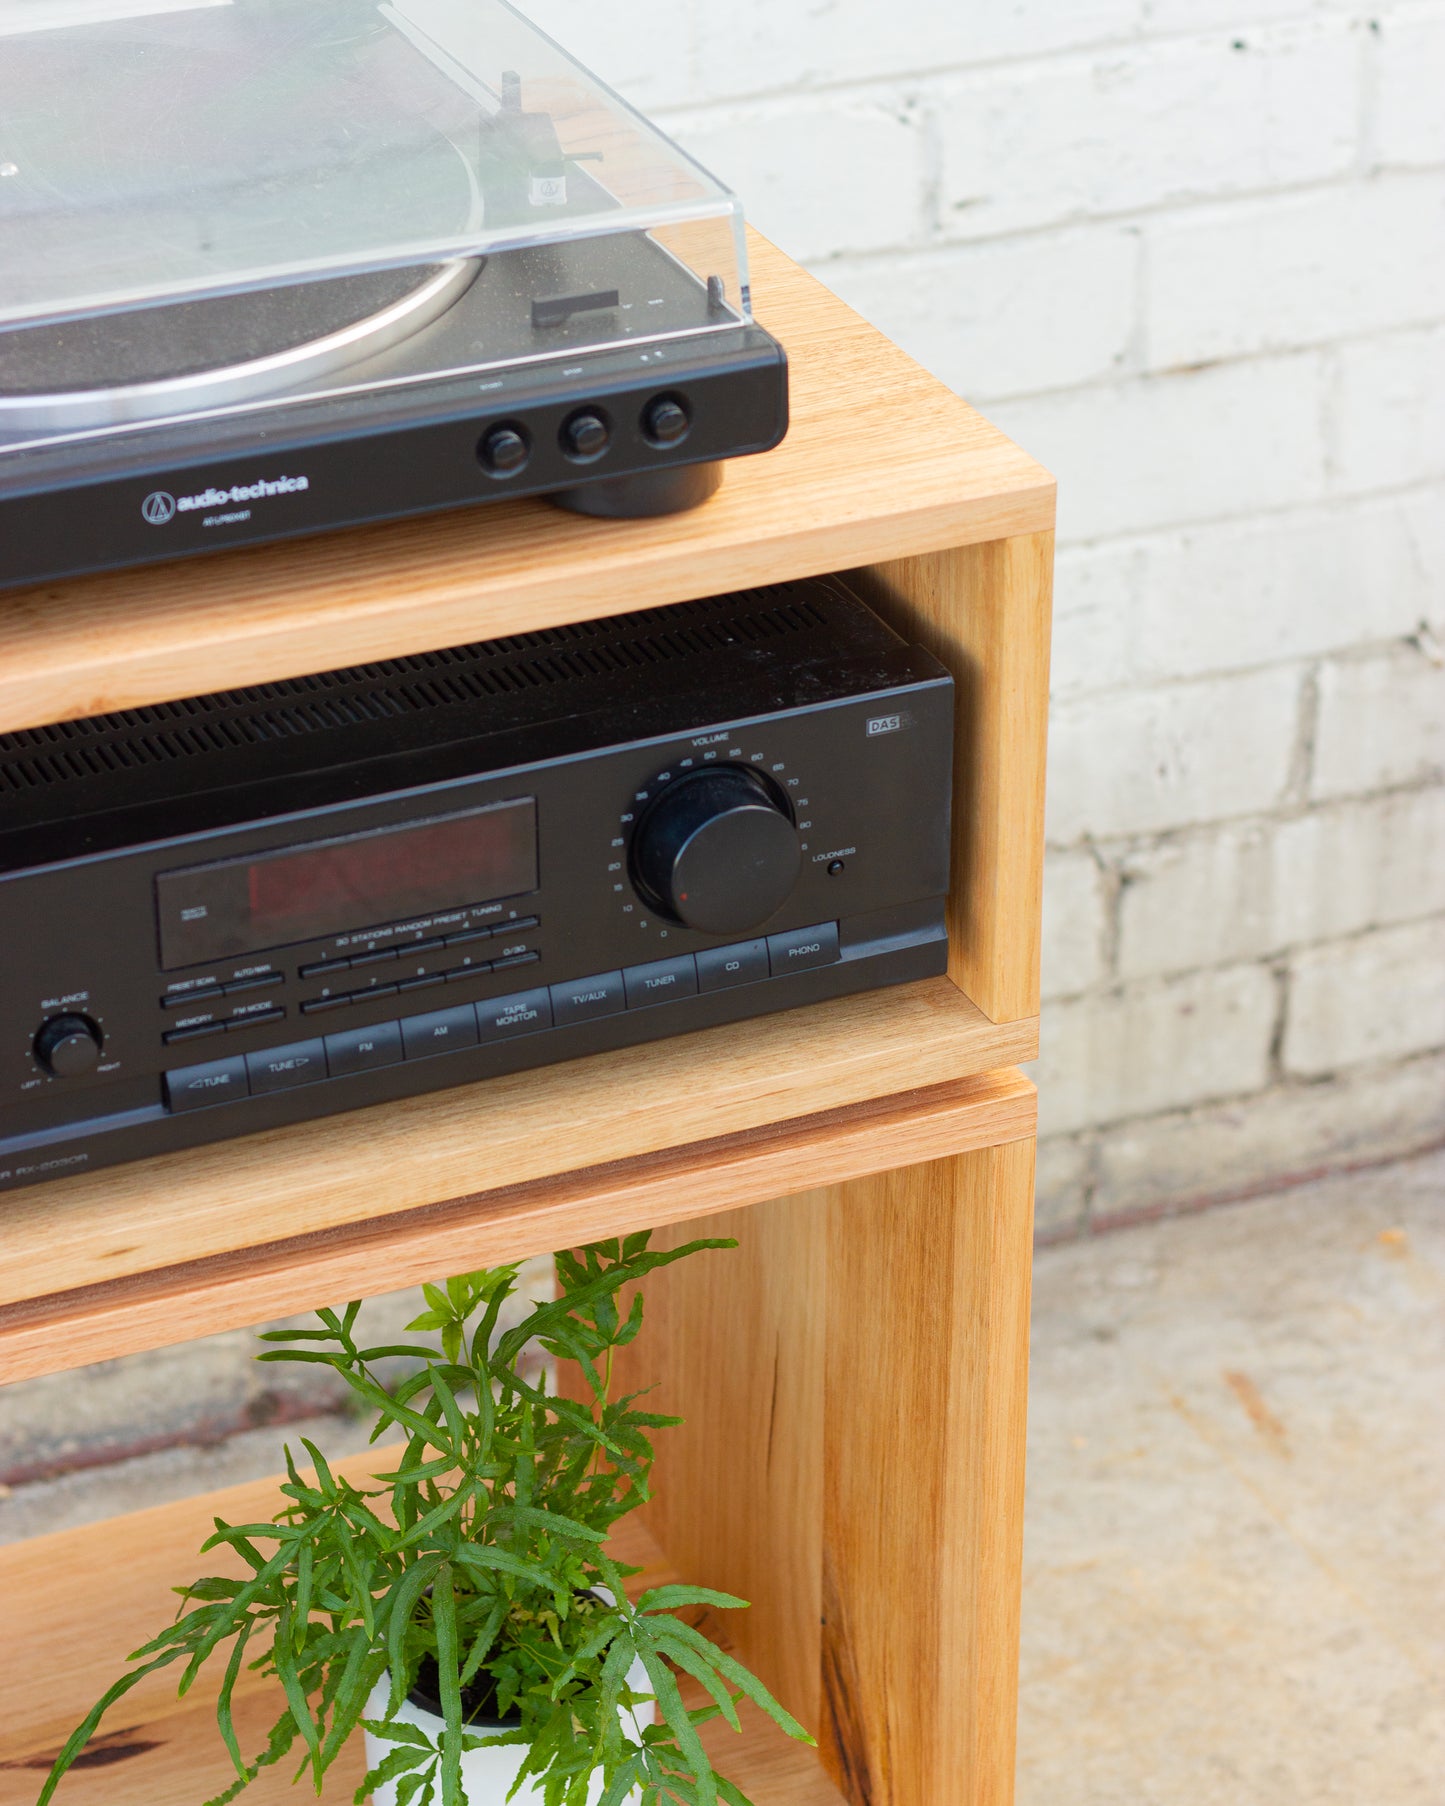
(154, 153)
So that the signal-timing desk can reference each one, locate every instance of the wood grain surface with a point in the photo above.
(881, 462)
(986, 612)
(251, 1285)
(925, 1407)
(504, 1131)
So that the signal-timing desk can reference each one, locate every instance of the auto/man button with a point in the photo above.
(217, 1082)
(742, 964)
(802, 948)
(660, 981)
(586, 998)
(282, 1068)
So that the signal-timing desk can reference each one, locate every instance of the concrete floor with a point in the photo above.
(1235, 1543)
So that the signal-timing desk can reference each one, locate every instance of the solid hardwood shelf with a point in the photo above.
(361, 1259)
(392, 1159)
(881, 462)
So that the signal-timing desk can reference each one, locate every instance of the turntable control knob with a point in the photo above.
(504, 451)
(717, 851)
(666, 421)
(585, 436)
(68, 1046)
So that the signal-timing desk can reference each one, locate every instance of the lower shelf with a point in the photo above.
(77, 1601)
(360, 1259)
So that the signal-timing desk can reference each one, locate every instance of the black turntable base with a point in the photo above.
(239, 419)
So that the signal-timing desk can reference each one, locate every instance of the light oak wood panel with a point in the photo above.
(881, 462)
(504, 1131)
(926, 1398)
(78, 1601)
(986, 612)
(735, 1344)
(174, 1304)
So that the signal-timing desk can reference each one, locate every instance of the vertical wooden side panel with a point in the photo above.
(734, 1343)
(925, 1408)
(986, 612)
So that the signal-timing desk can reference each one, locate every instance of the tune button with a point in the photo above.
(504, 451)
(585, 436)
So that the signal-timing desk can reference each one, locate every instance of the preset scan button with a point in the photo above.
(802, 948)
(281, 1068)
(743, 964)
(660, 981)
(217, 1082)
(585, 998)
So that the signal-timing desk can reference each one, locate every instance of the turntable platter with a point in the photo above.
(147, 363)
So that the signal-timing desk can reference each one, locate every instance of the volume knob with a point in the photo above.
(68, 1046)
(717, 851)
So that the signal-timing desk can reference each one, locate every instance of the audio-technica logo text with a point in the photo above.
(159, 507)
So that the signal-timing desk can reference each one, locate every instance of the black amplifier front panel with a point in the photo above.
(197, 1048)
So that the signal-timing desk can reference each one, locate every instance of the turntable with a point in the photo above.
(269, 267)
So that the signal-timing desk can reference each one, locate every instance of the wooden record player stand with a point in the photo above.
(854, 1378)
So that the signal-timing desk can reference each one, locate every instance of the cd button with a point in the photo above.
(360, 1049)
(660, 981)
(521, 1014)
(281, 1068)
(743, 964)
(443, 1031)
(217, 1082)
(585, 998)
(802, 948)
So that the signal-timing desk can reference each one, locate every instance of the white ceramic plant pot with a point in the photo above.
(487, 1775)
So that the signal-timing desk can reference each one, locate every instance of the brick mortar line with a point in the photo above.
(1090, 1227)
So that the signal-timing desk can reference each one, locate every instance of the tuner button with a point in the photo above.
(717, 852)
(585, 436)
(666, 421)
(504, 451)
(68, 1046)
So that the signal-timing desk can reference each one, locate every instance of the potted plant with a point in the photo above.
(464, 1612)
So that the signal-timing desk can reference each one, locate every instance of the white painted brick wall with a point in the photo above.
(1191, 253)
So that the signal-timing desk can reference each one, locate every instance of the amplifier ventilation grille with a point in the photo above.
(584, 652)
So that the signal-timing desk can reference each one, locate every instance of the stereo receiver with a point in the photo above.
(239, 911)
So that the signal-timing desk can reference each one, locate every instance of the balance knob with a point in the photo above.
(717, 851)
(68, 1046)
